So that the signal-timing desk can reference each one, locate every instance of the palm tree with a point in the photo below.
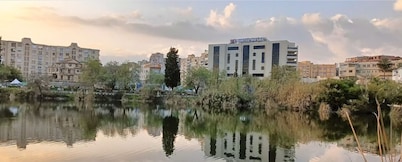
(385, 65)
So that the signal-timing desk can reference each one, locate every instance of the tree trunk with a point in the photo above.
(196, 89)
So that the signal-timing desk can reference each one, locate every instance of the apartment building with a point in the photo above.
(1, 51)
(68, 71)
(308, 69)
(34, 59)
(366, 67)
(191, 62)
(155, 64)
(252, 56)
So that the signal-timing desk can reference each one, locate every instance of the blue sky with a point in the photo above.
(130, 30)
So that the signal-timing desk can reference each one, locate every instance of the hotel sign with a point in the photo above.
(248, 40)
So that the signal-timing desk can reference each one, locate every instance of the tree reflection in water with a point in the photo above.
(170, 128)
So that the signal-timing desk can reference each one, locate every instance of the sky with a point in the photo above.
(326, 31)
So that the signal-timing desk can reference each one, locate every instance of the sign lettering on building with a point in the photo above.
(248, 40)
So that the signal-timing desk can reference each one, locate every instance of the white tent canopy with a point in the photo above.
(15, 82)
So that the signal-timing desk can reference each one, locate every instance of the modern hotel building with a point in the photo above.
(33, 59)
(252, 56)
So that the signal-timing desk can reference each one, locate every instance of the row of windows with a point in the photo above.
(254, 47)
(254, 54)
(253, 66)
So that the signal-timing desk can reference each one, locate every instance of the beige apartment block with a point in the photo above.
(366, 67)
(156, 64)
(33, 59)
(69, 71)
(191, 62)
(308, 69)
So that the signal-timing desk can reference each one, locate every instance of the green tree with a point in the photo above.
(111, 69)
(120, 75)
(9, 73)
(197, 78)
(155, 78)
(135, 70)
(283, 74)
(92, 73)
(385, 65)
(339, 92)
(172, 71)
(124, 75)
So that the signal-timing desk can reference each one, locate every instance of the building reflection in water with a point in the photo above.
(250, 146)
(42, 125)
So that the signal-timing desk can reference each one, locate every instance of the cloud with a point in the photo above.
(311, 18)
(345, 37)
(320, 39)
(398, 5)
(221, 20)
(390, 24)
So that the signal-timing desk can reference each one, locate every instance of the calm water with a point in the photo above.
(66, 132)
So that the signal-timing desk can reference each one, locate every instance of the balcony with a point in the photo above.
(292, 54)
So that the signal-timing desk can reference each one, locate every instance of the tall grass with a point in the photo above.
(385, 144)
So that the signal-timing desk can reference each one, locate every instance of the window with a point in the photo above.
(253, 64)
(262, 67)
(254, 54)
(237, 54)
(236, 64)
(233, 48)
(228, 58)
(246, 56)
(259, 47)
(263, 57)
(275, 53)
(228, 68)
(216, 57)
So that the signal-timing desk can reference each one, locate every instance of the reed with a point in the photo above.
(354, 134)
(386, 149)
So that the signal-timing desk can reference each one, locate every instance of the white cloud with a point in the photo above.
(311, 18)
(341, 18)
(391, 24)
(398, 5)
(184, 11)
(221, 20)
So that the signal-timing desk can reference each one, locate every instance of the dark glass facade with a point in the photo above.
(246, 56)
(216, 58)
(275, 54)
(263, 57)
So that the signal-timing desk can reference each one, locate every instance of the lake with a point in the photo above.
(114, 132)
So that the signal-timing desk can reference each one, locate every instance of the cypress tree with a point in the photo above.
(172, 71)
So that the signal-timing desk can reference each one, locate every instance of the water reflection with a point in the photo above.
(156, 134)
(170, 127)
(251, 146)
